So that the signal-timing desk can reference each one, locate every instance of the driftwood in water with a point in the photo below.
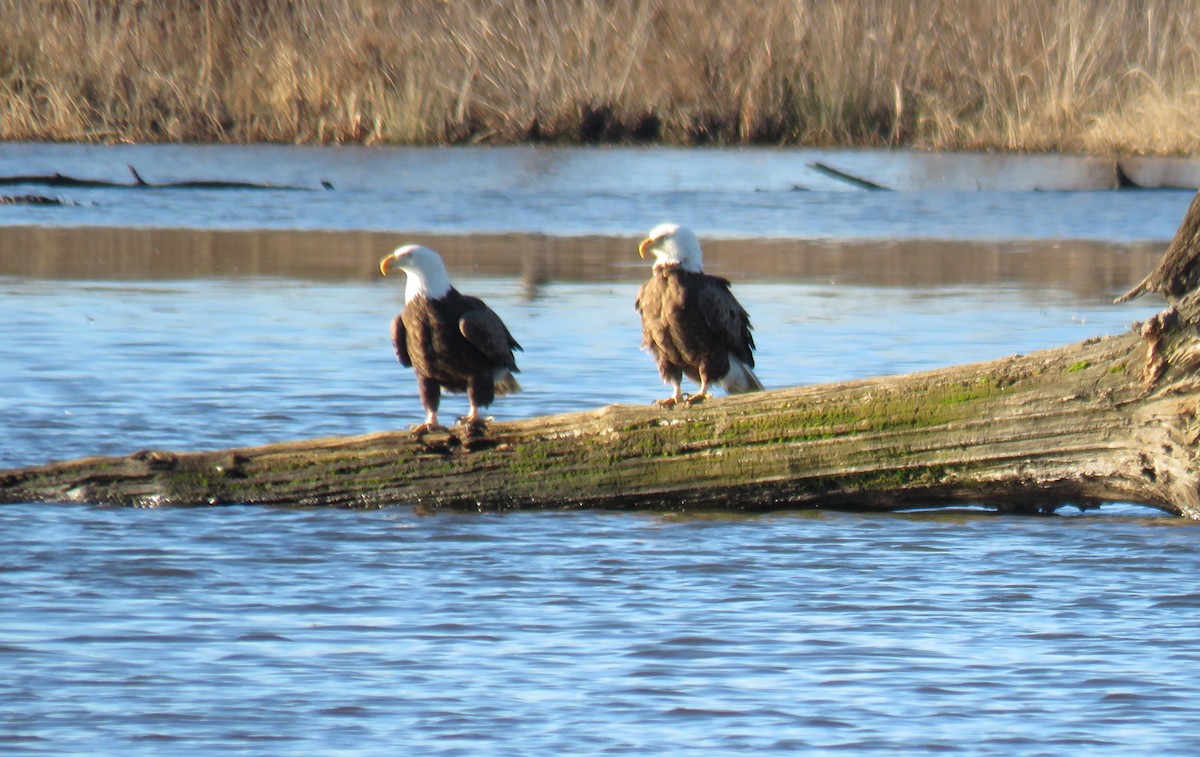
(851, 179)
(62, 180)
(1124, 174)
(57, 180)
(213, 184)
(32, 200)
(1107, 419)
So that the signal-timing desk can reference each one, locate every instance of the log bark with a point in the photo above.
(1108, 419)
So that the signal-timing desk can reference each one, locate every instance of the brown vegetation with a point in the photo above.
(1069, 75)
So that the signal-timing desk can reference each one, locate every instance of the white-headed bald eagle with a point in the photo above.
(452, 341)
(691, 322)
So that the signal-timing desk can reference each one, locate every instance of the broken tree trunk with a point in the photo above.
(1108, 419)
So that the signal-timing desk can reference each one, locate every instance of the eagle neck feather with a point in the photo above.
(666, 269)
(431, 285)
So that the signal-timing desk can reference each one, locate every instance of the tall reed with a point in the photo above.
(1120, 76)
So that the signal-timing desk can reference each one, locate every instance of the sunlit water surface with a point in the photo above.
(284, 632)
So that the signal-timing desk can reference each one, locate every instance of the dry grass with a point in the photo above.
(1073, 75)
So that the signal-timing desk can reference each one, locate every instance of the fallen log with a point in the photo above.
(851, 179)
(1075, 425)
(1108, 419)
(31, 199)
(138, 181)
(57, 179)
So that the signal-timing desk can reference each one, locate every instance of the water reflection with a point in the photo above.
(1089, 270)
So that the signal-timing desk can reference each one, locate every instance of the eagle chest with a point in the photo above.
(672, 322)
(430, 336)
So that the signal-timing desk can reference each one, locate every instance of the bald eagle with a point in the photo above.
(691, 322)
(452, 341)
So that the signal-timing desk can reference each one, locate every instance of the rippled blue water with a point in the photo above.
(278, 631)
(285, 632)
(112, 367)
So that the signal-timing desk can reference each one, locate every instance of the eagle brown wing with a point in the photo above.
(726, 317)
(640, 305)
(488, 334)
(400, 341)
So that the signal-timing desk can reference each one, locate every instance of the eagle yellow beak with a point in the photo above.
(645, 245)
(383, 264)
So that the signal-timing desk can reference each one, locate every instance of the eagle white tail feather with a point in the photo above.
(741, 378)
(505, 382)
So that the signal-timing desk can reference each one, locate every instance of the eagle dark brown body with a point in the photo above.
(693, 325)
(456, 343)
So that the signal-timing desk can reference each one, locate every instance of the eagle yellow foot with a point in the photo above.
(474, 424)
(681, 399)
(424, 428)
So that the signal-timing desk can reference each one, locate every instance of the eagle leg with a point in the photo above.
(430, 392)
(698, 397)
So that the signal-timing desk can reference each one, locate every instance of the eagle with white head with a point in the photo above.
(691, 322)
(451, 341)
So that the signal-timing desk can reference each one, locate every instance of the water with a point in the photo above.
(112, 367)
(273, 631)
(285, 631)
(569, 191)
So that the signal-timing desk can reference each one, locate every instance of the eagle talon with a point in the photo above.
(668, 403)
(474, 425)
(695, 399)
(421, 429)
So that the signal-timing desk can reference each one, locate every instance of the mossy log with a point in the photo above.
(1075, 425)
(1108, 419)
